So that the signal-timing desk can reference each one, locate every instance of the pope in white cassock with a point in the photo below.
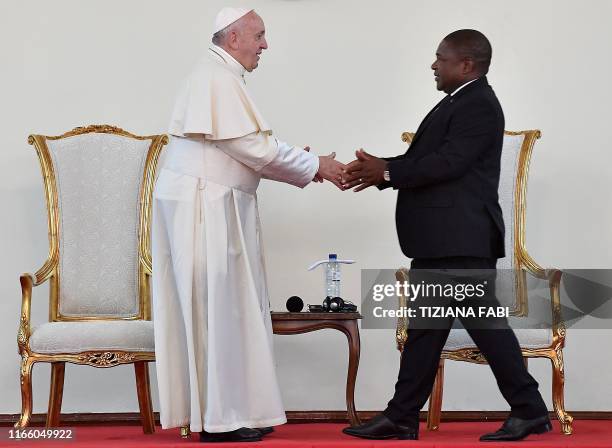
(213, 333)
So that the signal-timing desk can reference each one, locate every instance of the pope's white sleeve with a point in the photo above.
(291, 165)
(254, 150)
(274, 159)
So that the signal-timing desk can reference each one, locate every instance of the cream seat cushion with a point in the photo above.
(76, 337)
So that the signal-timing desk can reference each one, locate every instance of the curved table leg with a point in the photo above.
(351, 330)
(349, 327)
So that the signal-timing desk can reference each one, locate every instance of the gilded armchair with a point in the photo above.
(98, 182)
(535, 343)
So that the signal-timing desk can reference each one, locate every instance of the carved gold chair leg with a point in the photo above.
(558, 392)
(26, 391)
(435, 400)
(185, 432)
(56, 392)
(144, 396)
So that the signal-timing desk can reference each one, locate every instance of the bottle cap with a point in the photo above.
(333, 256)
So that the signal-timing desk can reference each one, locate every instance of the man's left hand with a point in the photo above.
(364, 172)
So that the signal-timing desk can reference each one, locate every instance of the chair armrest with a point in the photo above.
(558, 326)
(46, 271)
(553, 275)
(28, 281)
(534, 268)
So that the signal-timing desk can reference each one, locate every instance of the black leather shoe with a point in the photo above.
(380, 427)
(265, 431)
(239, 435)
(517, 429)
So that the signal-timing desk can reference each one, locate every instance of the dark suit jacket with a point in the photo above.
(447, 204)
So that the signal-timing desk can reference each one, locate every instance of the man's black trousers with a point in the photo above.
(494, 338)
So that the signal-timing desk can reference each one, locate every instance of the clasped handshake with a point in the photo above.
(363, 172)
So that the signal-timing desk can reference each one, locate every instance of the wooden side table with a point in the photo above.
(305, 322)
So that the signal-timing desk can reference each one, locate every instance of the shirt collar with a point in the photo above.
(232, 64)
(463, 85)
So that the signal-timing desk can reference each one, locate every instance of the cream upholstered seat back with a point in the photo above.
(98, 179)
(507, 188)
(507, 281)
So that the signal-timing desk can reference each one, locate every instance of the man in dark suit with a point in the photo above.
(448, 217)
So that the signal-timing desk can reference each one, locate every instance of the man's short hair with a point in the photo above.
(219, 37)
(472, 44)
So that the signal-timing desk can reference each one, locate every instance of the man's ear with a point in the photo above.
(468, 65)
(232, 40)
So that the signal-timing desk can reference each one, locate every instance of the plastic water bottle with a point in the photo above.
(332, 277)
(332, 274)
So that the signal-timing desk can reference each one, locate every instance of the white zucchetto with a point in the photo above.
(227, 16)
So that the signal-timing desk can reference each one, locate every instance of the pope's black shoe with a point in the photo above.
(265, 431)
(517, 429)
(380, 427)
(239, 435)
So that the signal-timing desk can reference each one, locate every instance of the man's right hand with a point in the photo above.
(331, 169)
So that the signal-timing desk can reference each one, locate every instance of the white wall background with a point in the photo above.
(339, 75)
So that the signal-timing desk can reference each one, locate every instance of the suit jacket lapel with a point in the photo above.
(447, 99)
(428, 118)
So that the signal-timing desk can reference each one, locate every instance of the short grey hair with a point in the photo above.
(219, 37)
